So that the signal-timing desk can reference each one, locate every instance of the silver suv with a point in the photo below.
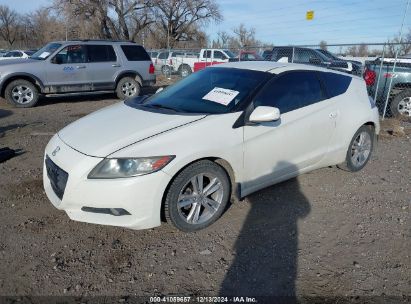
(77, 66)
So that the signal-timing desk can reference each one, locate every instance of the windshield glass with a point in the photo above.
(46, 51)
(210, 91)
(229, 53)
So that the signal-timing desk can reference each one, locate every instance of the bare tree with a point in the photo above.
(179, 19)
(403, 49)
(323, 45)
(245, 37)
(223, 38)
(9, 24)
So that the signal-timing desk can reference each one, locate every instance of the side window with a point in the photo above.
(281, 53)
(136, 53)
(291, 91)
(207, 54)
(301, 55)
(100, 53)
(163, 55)
(335, 84)
(219, 55)
(71, 54)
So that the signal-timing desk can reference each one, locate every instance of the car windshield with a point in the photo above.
(230, 54)
(210, 91)
(46, 51)
(329, 54)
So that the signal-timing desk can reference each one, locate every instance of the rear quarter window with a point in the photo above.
(335, 84)
(135, 53)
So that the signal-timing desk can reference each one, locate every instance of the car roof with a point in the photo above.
(96, 42)
(271, 66)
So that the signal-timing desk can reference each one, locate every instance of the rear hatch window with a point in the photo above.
(135, 53)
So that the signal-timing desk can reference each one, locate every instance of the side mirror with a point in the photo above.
(338, 65)
(265, 114)
(56, 60)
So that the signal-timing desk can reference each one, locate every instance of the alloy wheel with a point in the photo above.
(22, 94)
(200, 198)
(129, 89)
(404, 106)
(361, 149)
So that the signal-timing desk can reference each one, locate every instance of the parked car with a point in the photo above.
(266, 54)
(3, 52)
(226, 131)
(209, 57)
(153, 55)
(163, 62)
(15, 54)
(310, 56)
(75, 67)
(246, 56)
(356, 65)
(399, 96)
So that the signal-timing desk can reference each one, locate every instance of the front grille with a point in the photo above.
(58, 177)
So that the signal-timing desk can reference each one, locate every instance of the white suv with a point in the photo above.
(226, 131)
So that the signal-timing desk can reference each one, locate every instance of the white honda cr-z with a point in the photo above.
(221, 133)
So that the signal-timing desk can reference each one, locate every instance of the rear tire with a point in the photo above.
(197, 196)
(185, 71)
(360, 149)
(166, 70)
(128, 87)
(401, 104)
(21, 93)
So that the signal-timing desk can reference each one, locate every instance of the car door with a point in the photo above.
(67, 71)
(103, 64)
(298, 140)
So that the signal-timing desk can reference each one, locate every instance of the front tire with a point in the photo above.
(21, 93)
(127, 87)
(360, 149)
(197, 196)
(401, 104)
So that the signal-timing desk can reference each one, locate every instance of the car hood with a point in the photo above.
(16, 61)
(115, 127)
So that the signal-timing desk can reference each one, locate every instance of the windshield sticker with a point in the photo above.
(44, 54)
(221, 96)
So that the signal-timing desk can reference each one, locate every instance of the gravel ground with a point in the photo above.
(329, 233)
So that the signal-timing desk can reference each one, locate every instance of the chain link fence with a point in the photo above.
(386, 68)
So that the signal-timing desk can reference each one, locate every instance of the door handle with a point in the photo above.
(81, 67)
(116, 65)
(333, 115)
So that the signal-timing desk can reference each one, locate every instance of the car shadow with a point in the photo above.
(266, 251)
(5, 113)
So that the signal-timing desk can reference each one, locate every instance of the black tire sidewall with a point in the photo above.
(396, 100)
(120, 93)
(185, 68)
(171, 209)
(13, 84)
(350, 166)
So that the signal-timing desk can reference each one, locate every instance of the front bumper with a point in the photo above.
(140, 196)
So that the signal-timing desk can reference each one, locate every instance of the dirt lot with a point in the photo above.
(325, 234)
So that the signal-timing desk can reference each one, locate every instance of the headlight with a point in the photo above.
(128, 167)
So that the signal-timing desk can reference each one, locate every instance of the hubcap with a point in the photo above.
(200, 198)
(404, 106)
(361, 149)
(184, 73)
(22, 94)
(129, 89)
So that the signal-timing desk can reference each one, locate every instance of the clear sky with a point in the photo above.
(283, 22)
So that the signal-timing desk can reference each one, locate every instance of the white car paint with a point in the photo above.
(24, 55)
(308, 138)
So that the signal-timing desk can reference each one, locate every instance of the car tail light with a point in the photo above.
(369, 77)
(171, 61)
(151, 69)
(156, 61)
